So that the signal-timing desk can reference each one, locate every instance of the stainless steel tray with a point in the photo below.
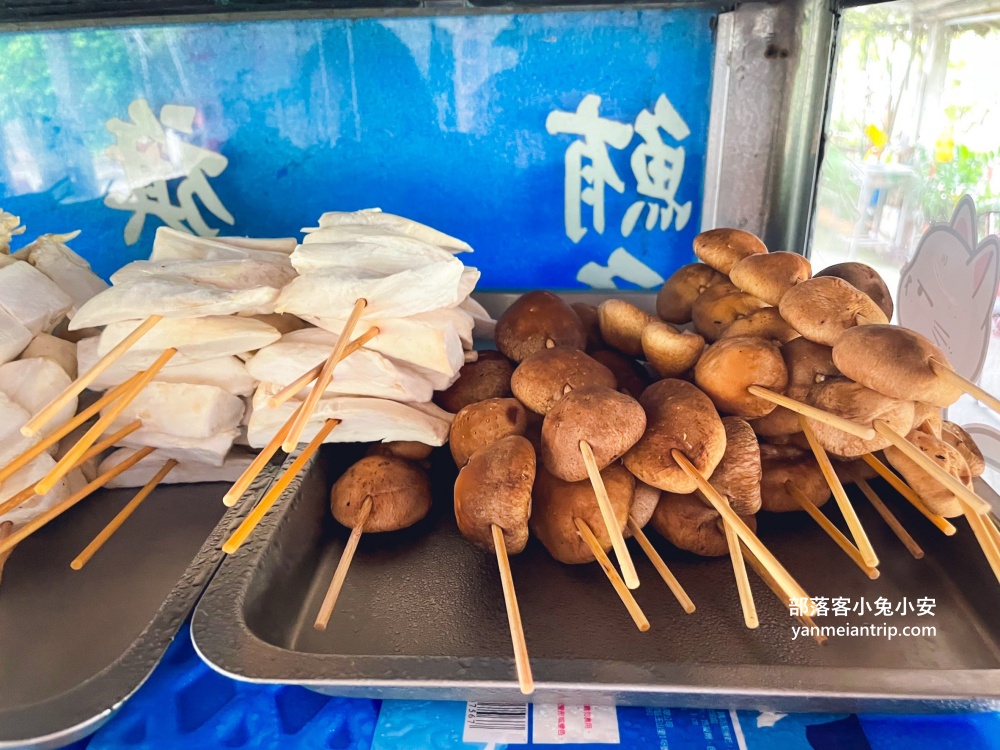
(421, 616)
(75, 645)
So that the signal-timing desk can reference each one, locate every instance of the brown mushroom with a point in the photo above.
(547, 375)
(538, 320)
(737, 477)
(400, 494)
(622, 324)
(685, 285)
(632, 377)
(678, 417)
(644, 501)
(894, 361)
(765, 323)
(724, 248)
(861, 405)
(791, 466)
(714, 312)
(609, 421)
(487, 377)
(927, 418)
(408, 449)
(557, 503)
(824, 307)
(729, 367)
(866, 279)
(482, 424)
(588, 316)
(768, 276)
(669, 351)
(494, 487)
(957, 437)
(808, 365)
(691, 525)
(851, 470)
(936, 497)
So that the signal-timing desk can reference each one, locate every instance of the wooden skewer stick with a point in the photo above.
(946, 480)
(36, 523)
(832, 531)
(908, 494)
(893, 523)
(805, 410)
(66, 463)
(608, 516)
(782, 596)
(123, 515)
(36, 423)
(49, 440)
(473, 356)
(521, 663)
(742, 581)
(853, 522)
(6, 529)
(661, 567)
(340, 574)
(98, 448)
(788, 584)
(984, 537)
(257, 465)
(300, 420)
(944, 372)
(250, 522)
(609, 570)
(307, 377)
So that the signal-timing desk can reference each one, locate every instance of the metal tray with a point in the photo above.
(421, 616)
(75, 645)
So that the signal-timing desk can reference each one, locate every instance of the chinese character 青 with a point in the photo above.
(152, 153)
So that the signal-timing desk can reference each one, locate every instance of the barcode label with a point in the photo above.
(505, 723)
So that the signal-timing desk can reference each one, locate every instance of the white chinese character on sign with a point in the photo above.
(883, 607)
(658, 168)
(585, 182)
(151, 152)
(621, 265)
(822, 604)
(925, 606)
(840, 606)
(904, 606)
(798, 606)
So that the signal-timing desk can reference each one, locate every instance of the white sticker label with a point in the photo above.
(562, 723)
(502, 723)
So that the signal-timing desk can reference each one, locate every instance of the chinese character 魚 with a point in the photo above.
(151, 153)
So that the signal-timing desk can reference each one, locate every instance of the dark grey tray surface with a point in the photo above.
(75, 644)
(421, 615)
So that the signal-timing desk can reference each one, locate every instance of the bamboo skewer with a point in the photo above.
(661, 567)
(984, 537)
(968, 498)
(729, 516)
(306, 378)
(250, 522)
(767, 578)
(36, 423)
(805, 410)
(123, 515)
(36, 523)
(864, 545)
(608, 515)
(64, 464)
(300, 421)
(945, 372)
(6, 529)
(521, 663)
(49, 440)
(257, 465)
(340, 574)
(742, 581)
(908, 494)
(891, 521)
(616, 580)
(832, 531)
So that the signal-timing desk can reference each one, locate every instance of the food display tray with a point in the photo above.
(74, 645)
(421, 616)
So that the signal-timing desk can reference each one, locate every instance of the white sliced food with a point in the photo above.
(364, 247)
(60, 351)
(376, 217)
(169, 244)
(36, 505)
(183, 410)
(71, 273)
(171, 298)
(195, 339)
(484, 324)
(363, 373)
(32, 298)
(185, 472)
(33, 383)
(14, 337)
(233, 275)
(211, 450)
(282, 323)
(363, 420)
(13, 416)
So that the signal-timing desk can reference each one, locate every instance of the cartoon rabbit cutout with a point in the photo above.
(947, 292)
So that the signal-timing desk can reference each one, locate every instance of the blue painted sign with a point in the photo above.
(567, 148)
